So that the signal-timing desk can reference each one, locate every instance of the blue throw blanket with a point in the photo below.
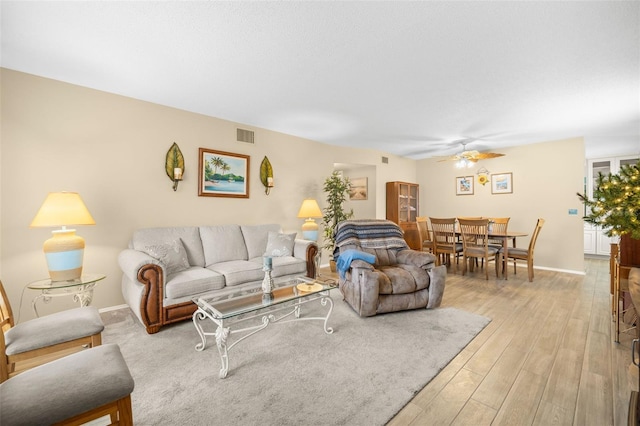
(345, 258)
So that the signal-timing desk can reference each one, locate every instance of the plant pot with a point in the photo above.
(332, 265)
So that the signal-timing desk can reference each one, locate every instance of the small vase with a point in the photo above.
(267, 282)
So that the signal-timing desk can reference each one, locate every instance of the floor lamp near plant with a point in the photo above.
(64, 251)
(310, 210)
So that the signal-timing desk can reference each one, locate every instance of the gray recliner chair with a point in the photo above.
(379, 273)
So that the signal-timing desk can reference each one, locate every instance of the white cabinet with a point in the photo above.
(595, 241)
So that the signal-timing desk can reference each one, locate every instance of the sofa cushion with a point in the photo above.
(238, 271)
(222, 243)
(172, 255)
(255, 238)
(189, 235)
(285, 265)
(192, 281)
(279, 244)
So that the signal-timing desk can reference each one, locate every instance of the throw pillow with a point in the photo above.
(172, 255)
(279, 245)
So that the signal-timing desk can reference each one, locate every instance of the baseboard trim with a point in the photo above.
(113, 308)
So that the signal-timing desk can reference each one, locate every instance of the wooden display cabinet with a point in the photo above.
(402, 208)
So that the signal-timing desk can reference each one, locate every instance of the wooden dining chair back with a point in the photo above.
(426, 242)
(475, 243)
(526, 254)
(445, 240)
(40, 340)
(499, 225)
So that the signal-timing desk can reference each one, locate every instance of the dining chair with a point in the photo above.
(426, 242)
(82, 388)
(41, 339)
(516, 253)
(498, 225)
(475, 243)
(445, 240)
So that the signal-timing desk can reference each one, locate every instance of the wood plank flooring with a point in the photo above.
(546, 358)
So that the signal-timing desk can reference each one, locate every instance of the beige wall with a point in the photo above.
(546, 178)
(111, 149)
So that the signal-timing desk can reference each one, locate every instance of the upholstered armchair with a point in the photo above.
(379, 273)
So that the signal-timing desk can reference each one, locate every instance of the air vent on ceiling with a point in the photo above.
(385, 160)
(245, 136)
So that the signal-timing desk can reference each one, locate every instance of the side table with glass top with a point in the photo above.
(81, 289)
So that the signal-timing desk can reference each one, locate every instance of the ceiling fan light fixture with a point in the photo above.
(464, 162)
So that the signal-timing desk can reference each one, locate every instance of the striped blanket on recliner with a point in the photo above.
(371, 234)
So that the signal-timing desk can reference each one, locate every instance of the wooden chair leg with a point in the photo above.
(125, 411)
(530, 269)
(96, 340)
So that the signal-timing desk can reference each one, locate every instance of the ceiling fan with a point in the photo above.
(467, 158)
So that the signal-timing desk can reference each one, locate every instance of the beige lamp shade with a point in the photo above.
(65, 250)
(310, 210)
(61, 209)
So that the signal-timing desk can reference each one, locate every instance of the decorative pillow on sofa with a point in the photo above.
(172, 255)
(279, 244)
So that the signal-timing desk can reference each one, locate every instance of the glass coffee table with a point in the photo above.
(232, 310)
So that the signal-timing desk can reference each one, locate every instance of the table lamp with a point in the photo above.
(65, 250)
(310, 210)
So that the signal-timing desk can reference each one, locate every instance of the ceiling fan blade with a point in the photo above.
(485, 155)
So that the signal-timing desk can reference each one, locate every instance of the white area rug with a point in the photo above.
(293, 373)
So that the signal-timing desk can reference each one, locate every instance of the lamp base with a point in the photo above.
(64, 253)
(310, 230)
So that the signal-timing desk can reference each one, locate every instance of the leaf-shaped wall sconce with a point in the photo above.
(266, 175)
(174, 165)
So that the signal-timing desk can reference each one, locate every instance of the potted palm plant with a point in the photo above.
(336, 187)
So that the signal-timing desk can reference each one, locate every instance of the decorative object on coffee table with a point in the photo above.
(174, 165)
(267, 282)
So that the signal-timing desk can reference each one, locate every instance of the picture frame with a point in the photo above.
(502, 183)
(464, 185)
(359, 189)
(223, 174)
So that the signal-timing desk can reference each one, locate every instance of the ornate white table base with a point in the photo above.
(82, 294)
(223, 332)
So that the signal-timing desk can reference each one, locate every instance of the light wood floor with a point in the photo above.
(546, 358)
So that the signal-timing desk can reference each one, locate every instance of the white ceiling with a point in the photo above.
(407, 78)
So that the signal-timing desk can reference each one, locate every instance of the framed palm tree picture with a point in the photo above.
(222, 174)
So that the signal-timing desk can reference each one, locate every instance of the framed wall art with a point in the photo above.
(222, 174)
(358, 189)
(464, 185)
(502, 183)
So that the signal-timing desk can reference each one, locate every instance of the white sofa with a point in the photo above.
(165, 268)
